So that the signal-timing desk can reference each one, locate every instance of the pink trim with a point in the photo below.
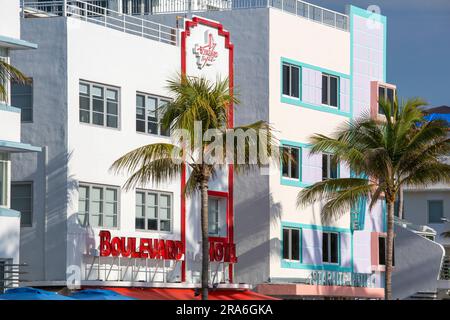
(374, 96)
(375, 248)
(322, 291)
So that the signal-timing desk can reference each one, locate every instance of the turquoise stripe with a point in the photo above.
(19, 43)
(5, 107)
(6, 212)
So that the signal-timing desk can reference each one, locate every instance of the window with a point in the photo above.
(98, 205)
(329, 90)
(435, 211)
(329, 167)
(4, 179)
(291, 244)
(291, 160)
(330, 247)
(291, 80)
(382, 252)
(149, 112)
(153, 211)
(22, 200)
(385, 94)
(22, 97)
(99, 105)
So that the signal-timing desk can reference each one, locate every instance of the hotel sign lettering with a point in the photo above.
(222, 251)
(143, 248)
(334, 278)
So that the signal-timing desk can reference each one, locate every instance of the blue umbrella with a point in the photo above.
(99, 294)
(27, 293)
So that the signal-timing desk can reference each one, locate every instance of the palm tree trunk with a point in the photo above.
(400, 203)
(205, 240)
(389, 249)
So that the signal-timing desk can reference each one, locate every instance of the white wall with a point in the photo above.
(133, 64)
(10, 125)
(416, 210)
(9, 18)
(9, 237)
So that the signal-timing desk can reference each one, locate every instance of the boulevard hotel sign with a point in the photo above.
(147, 248)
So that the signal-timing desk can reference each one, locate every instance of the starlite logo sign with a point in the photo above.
(206, 54)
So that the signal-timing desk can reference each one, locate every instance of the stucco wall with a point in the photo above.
(417, 264)
(43, 246)
(416, 210)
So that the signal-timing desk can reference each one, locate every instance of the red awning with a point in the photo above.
(188, 294)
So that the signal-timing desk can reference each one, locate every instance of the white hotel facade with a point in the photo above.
(98, 76)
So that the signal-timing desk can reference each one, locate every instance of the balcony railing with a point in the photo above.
(148, 7)
(445, 271)
(98, 13)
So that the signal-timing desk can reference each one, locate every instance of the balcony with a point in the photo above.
(121, 10)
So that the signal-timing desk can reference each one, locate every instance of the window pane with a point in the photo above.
(165, 225)
(109, 221)
(152, 213)
(381, 97)
(435, 211)
(83, 219)
(84, 103)
(112, 121)
(151, 109)
(152, 224)
(22, 201)
(22, 97)
(325, 248)
(213, 216)
(324, 167)
(295, 245)
(84, 116)
(324, 89)
(164, 201)
(152, 199)
(382, 251)
(334, 248)
(333, 168)
(112, 108)
(84, 89)
(97, 118)
(164, 213)
(390, 96)
(140, 113)
(294, 174)
(97, 105)
(140, 101)
(295, 85)
(96, 220)
(140, 223)
(285, 161)
(153, 127)
(286, 244)
(333, 91)
(286, 79)
(111, 94)
(97, 91)
(140, 126)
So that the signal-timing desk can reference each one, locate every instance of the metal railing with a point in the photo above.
(9, 274)
(445, 271)
(92, 12)
(148, 7)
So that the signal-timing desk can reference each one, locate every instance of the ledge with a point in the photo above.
(5, 212)
(5, 107)
(13, 147)
(16, 44)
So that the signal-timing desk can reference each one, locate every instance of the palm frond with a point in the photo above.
(9, 73)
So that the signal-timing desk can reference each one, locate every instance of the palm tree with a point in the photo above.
(383, 155)
(8, 73)
(195, 100)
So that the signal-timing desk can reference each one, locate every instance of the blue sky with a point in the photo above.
(418, 45)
